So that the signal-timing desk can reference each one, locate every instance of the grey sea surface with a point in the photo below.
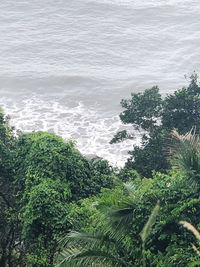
(65, 65)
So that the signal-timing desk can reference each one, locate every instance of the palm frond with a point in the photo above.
(196, 249)
(102, 249)
(185, 152)
(130, 188)
(191, 228)
(121, 216)
(148, 226)
(73, 257)
(195, 232)
(83, 239)
(118, 219)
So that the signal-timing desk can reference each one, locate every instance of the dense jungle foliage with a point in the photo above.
(157, 117)
(58, 208)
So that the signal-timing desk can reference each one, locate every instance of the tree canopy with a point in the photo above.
(157, 117)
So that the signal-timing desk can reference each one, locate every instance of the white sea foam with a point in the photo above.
(79, 123)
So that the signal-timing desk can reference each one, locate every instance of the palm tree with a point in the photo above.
(108, 247)
(185, 154)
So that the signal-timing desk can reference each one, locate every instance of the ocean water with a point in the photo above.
(65, 65)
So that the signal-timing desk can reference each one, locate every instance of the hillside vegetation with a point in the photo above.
(58, 208)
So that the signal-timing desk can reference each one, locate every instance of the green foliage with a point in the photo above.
(196, 234)
(115, 219)
(147, 111)
(108, 247)
(6, 192)
(50, 173)
(148, 226)
(185, 154)
(44, 219)
(44, 155)
(128, 174)
(7, 144)
(10, 240)
(181, 110)
(143, 109)
(120, 136)
(48, 189)
(47, 207)
(152, 155)
(41, 155)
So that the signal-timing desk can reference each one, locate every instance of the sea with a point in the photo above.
(65, 65)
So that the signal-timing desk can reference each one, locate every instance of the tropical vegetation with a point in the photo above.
(58, 208)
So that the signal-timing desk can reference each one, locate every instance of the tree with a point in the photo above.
(44, 219)
(152, 155)
(10, 229)
(45, 155)
(50, 173)
(181, 110)
(157, 117)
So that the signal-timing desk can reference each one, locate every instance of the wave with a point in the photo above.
(91, 133)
